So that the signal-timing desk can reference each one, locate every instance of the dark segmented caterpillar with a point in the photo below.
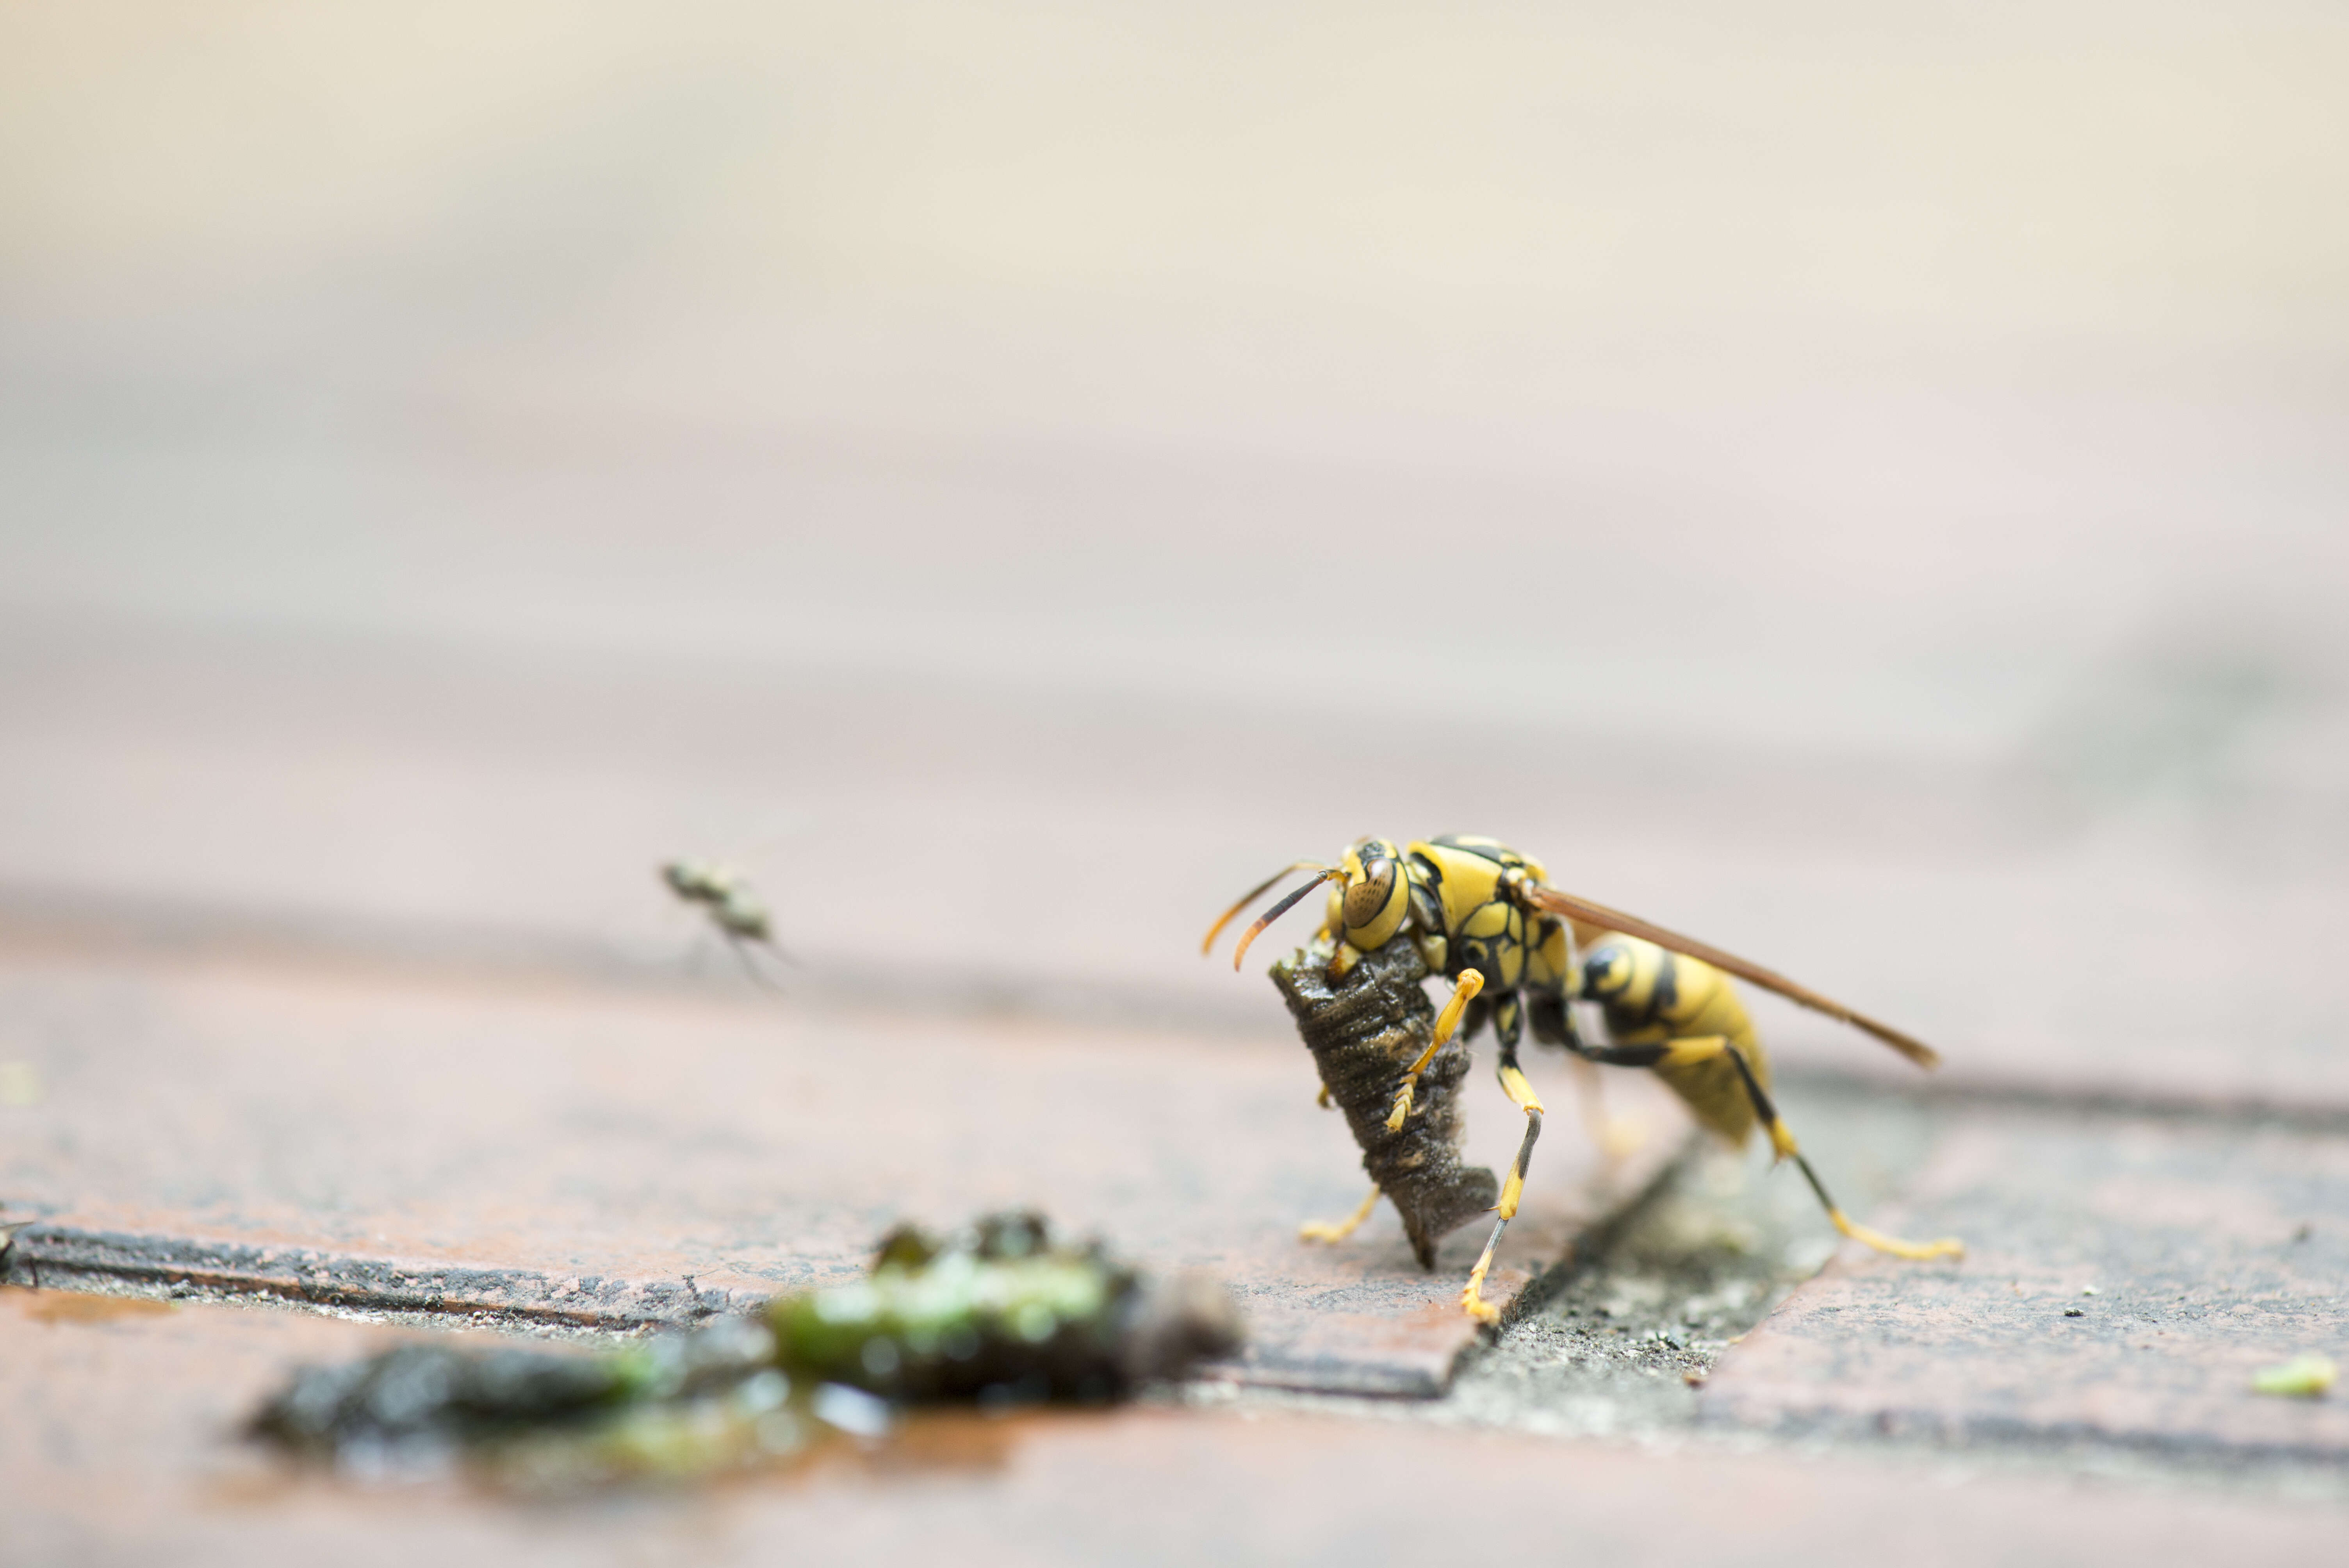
(1364, 1030)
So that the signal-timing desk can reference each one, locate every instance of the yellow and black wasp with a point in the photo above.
(1483, 917)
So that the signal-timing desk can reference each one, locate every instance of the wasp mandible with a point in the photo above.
(1485, 918)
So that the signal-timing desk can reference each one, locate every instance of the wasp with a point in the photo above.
(734, 907)
(1485, 918)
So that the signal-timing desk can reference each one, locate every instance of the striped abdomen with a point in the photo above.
(1652, 996)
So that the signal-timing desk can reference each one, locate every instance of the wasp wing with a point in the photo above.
(1598, 914)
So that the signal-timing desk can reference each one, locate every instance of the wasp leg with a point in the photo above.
(1614, 1139)
(1463, 991)
(1553, 1024)
(1513, 1082)
(1314, 1231)
(1782, 1140)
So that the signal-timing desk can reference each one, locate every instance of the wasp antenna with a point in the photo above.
(1283, 907)
(1253, 894)
(1598, 914)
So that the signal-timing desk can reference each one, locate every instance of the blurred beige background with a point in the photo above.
(1865, 485)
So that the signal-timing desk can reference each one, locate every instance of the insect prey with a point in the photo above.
(1358, 1030)
(998, 1314)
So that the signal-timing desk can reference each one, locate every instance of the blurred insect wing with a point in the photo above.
(1598, 914)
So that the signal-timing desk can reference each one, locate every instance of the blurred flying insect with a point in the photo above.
(1483, 917)
(734, 907)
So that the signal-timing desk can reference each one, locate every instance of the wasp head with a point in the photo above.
(1368, 905)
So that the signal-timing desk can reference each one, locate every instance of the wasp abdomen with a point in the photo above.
(1363, 1031)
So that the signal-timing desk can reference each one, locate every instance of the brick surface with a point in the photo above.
(967, 845)
(122, 1447)
(663, 442)
(2213, 1251)
(376, 1139)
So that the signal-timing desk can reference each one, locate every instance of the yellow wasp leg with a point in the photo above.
(1688, 1052)
(1513, 1082)
(1782, 1142)
(1317, 1232)
(1463, 991)
(1614, 1139)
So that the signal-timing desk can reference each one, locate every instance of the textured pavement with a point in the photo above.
(944, 840)
(121, 1445)
(335, 972)
(2124, 1279)
(1867, 494)
(548, 1152)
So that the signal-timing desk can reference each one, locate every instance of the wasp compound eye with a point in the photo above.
(1367, 897)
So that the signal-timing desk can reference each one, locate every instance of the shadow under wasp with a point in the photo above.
(1485, 918)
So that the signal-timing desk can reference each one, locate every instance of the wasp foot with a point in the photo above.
(1893, 1246)
(1316, 1231)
